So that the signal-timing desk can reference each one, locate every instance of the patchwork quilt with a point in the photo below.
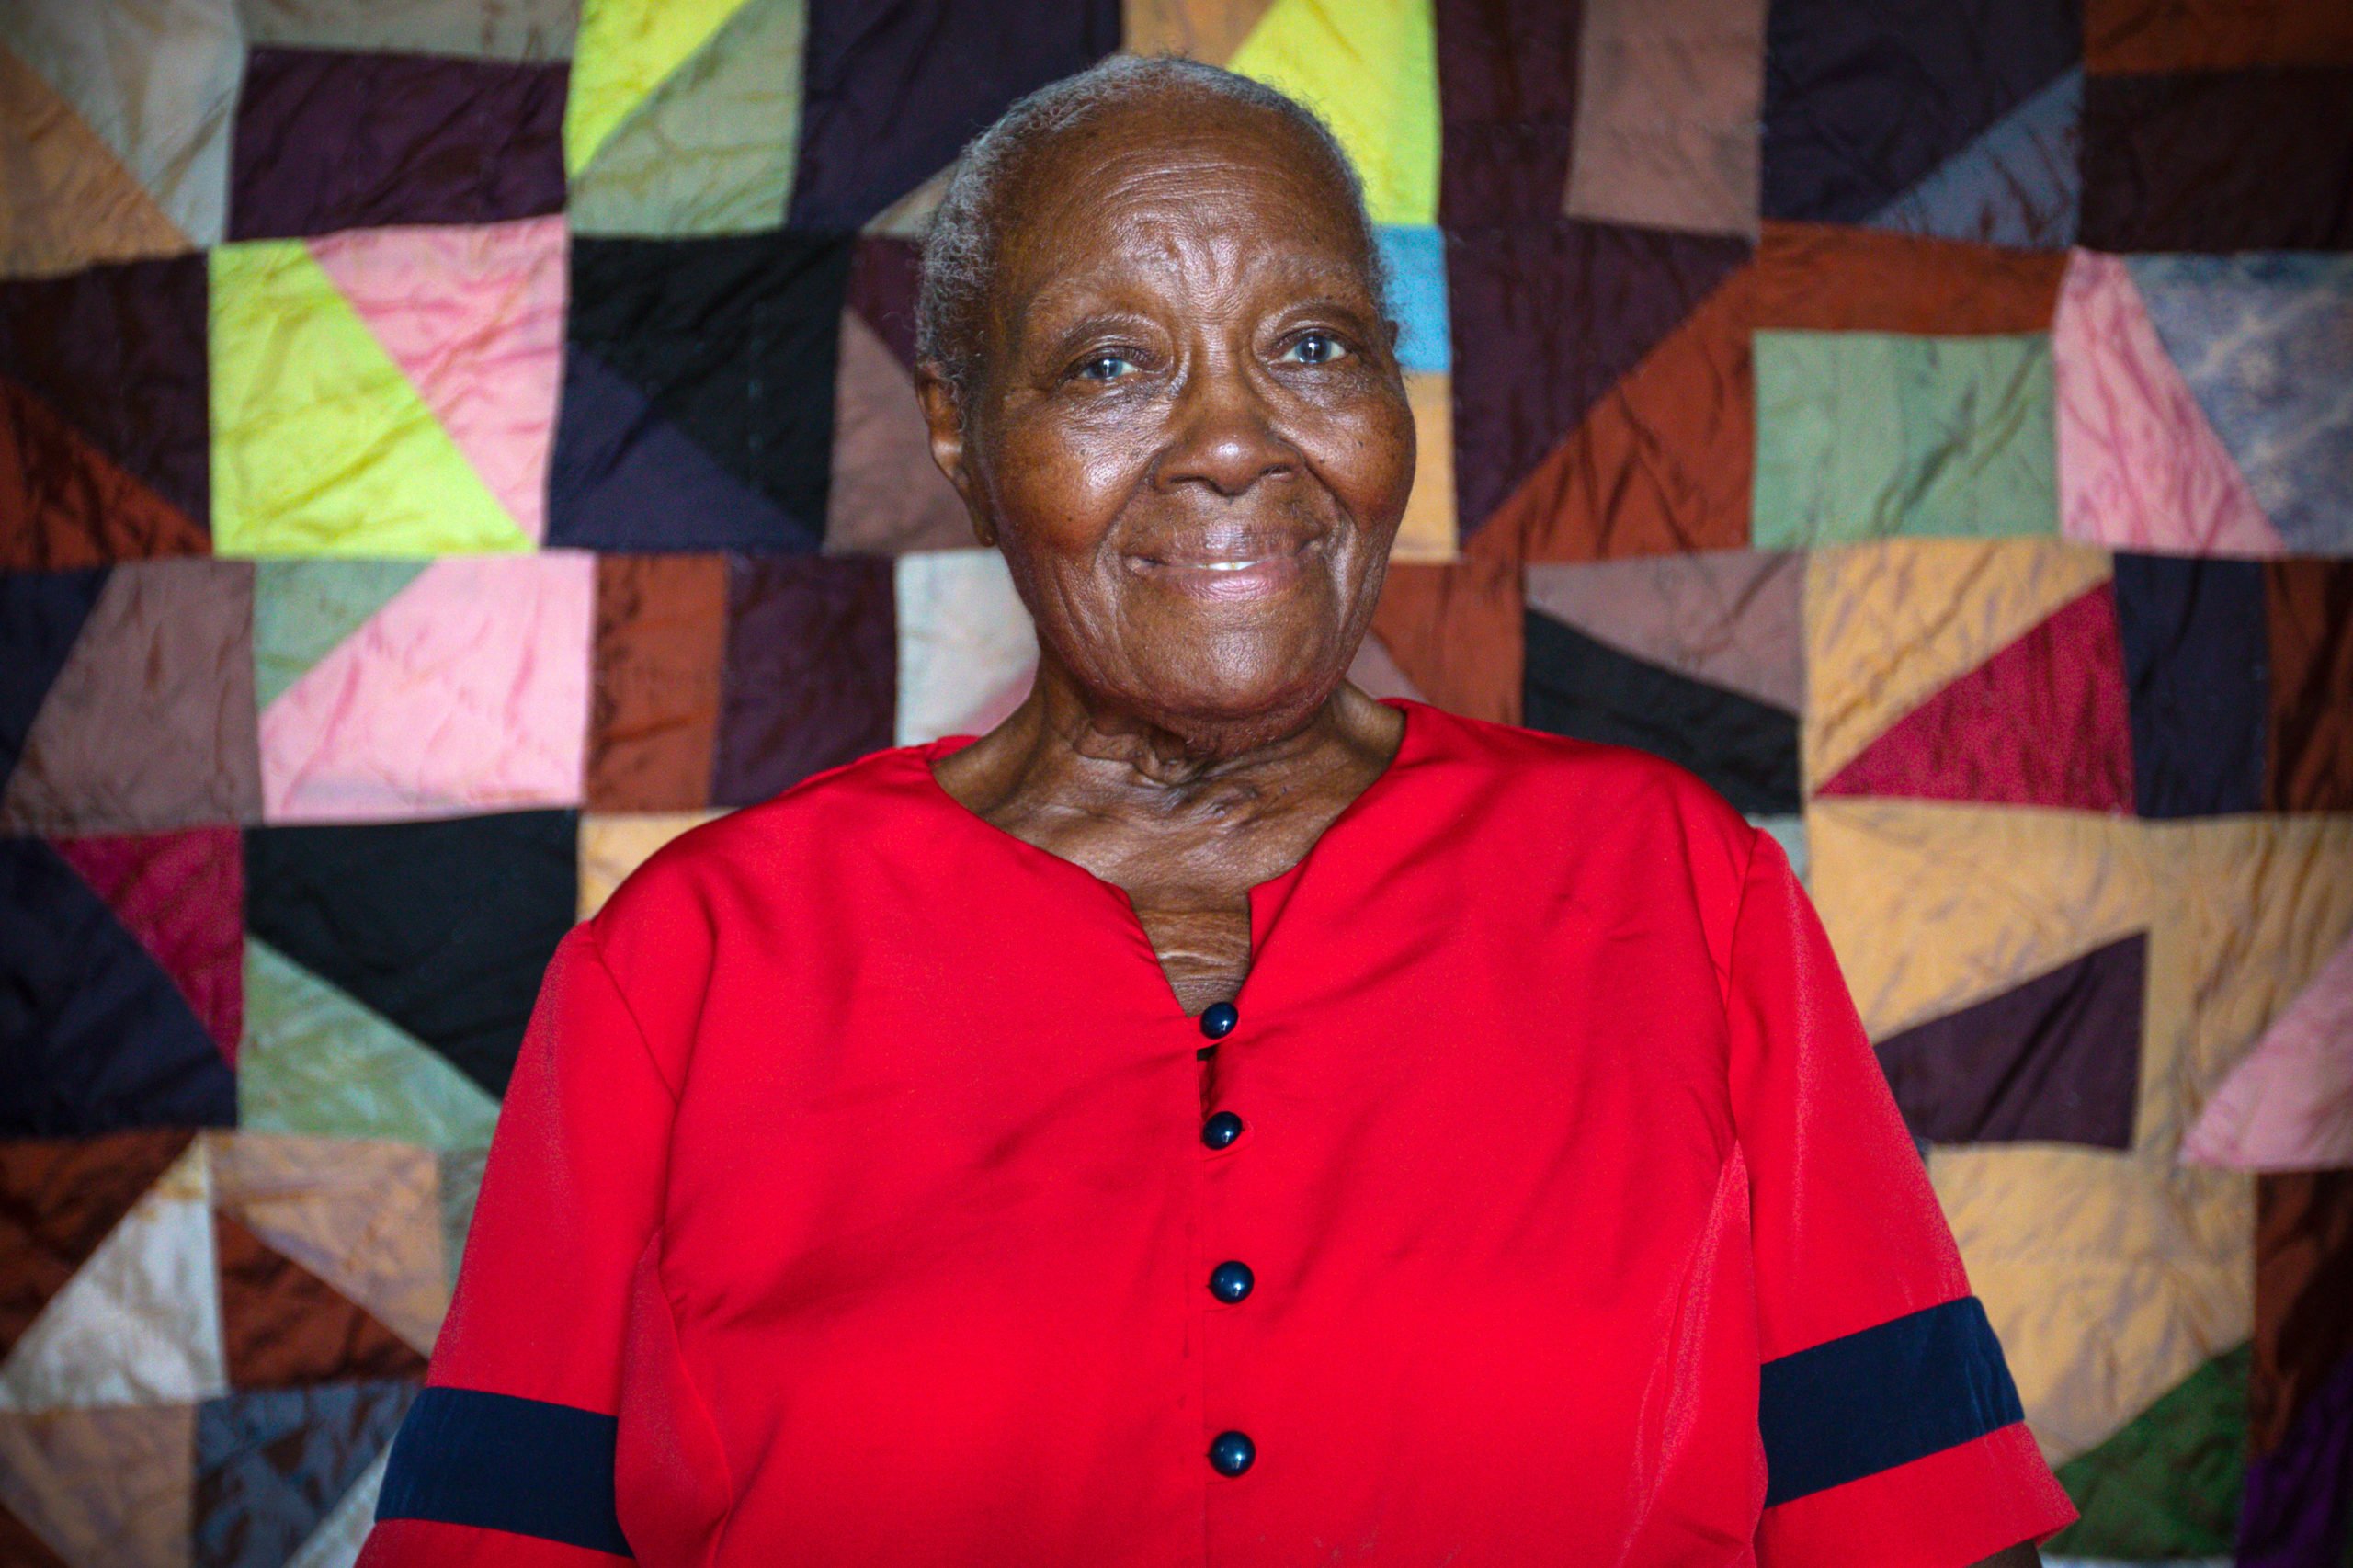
(448, 449)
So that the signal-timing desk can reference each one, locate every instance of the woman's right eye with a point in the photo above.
(1105, 368)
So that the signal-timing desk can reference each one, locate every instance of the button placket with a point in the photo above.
(1231, 1452)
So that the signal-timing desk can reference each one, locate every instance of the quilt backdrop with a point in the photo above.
(450, 446)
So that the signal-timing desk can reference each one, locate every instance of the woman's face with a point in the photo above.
(1190, 435)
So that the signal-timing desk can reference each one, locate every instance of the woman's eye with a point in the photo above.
(1315, 348)
(1105, 367)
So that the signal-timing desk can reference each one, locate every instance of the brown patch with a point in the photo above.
(59, 1200)
(282, 1326)
(1455, 633)
(654, 714)
(2303, 1278)
(2309, 606)
(1824, 277)
(1662, 464)
(2122, 36)
(65, 504)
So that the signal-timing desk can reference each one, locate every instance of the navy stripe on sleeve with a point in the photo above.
(1886, 1396)
(501, 1463)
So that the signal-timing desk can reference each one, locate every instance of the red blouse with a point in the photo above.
(863, 1196)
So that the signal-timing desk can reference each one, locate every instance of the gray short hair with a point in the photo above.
(959, 250)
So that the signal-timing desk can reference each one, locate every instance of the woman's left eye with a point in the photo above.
(1105, 367)
(1315, 348)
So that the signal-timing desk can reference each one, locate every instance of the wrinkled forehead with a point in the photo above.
(1176, 191)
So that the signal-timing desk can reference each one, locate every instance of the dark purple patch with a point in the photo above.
(885, 278)
(2218, 161)
(891, 93)
(1862, 101)
(1507, 84)
(119, 353)
(2056, 1059)
(1546, 318)
(2294, 1512)
(328, 141)
(813, 671)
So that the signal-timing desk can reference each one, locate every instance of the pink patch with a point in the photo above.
(2040, 723)
(473, 316)
(2139, 466)
(2289, 1106)
(467, 692)
(182, 895)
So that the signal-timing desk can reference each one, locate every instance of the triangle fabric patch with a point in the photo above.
(140, 1323)
(2055, 1060)
(316, 1060)
(473, 316)
(1728, 616)
(103, 1037)
(2043, 723)
(60, 1198)
(304, 609)
(2018, 183)
(90, 207)
(273, 1466)
(322, 444)
(43, 615)
(282, 1326)
(1374, 80)
(2139, 466)
(363, 1216)
(65, 503)
(711, 150)
(2168, 1485)
(2262, 345)
(1579, 686)
(183, 896)
(110, 1485)
(623, 463)
(624, 52)
(888, 497)
(2289, 1105)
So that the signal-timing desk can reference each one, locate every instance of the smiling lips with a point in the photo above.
(1230, 570)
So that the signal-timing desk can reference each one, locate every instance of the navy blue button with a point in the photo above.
(1230, 1281)
(1230, 1453)
(1218, 1018)
(1221, 1130)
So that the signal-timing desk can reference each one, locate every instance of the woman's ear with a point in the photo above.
(944, 415)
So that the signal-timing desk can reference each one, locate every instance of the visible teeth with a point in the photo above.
(1229, 565)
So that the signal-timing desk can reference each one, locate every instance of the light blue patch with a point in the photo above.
(1417, 261)
(2266, 342)
(2016, 184)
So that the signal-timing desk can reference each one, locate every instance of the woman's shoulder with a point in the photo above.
(811, 834)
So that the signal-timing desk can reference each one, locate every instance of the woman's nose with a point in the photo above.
(1224, 437)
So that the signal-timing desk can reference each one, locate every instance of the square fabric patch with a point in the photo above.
(699, 393)
(379, 943)
(387, 392)
(1973, 118)
(2193, 634)
(102, 394)
(1864, 435)
(1699, 658)
(812, 672)
(1669, 99)
(394, 690)
(329, 140)
(2249, 160)
(968, 651)
(684, 119)
(654, 715)
(117, 124)
(127, 698)
(888, 495)
(889, 97)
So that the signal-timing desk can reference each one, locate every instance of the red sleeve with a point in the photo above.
(508, 1456)
(1893, 1432)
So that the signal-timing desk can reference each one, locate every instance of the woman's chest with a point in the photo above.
(1414, 1200)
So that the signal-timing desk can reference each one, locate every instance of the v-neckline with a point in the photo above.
(1258, 896)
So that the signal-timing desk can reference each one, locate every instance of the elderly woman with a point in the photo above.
(1214, 1118)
